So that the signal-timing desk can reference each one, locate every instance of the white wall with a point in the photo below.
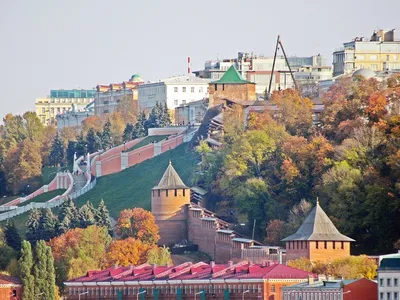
(149, 94)
(176, 98)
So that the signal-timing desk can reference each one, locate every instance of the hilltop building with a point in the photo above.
(174, 91)
(389, 278)
(231, 86)
(108, 97)
(357, 289)
(187, 281)
(61, 101)
(74, 117)
(380, 52)
(317, 239)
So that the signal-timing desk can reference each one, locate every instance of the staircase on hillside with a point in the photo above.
(79, 180)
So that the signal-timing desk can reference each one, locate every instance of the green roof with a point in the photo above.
(231, 76)
(390, 264)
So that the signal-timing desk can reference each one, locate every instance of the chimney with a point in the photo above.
(310, 279)
(189, 65)
(212, 264)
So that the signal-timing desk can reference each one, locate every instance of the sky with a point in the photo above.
(66, 44)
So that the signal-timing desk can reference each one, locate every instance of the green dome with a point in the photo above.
(136, 78)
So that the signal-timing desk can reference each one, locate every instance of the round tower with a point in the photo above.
(169, 205)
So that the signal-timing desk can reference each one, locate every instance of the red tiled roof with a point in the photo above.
(201, 270)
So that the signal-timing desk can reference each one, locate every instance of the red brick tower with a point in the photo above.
(169, 205)
(317, 239)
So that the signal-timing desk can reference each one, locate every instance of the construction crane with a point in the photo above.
(279, 43)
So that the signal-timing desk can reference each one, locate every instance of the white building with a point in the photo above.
(173, 91)
(74, 117)
(389, 278)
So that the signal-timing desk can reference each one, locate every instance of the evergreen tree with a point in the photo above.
(71, 151)
(106, 138)
(140, 128)
(39, 270)
(25, 266)
(165, 117)
(48, 225)
(155, 117)
(68, 217)
(86, 215)
(80, 146)
(91, 141)
(57, 151)
(33, 225)
(102, 217)
(51, 276)
(12, 237)
(128, 131)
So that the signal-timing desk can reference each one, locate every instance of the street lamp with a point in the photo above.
(124, 145)
(137, 295)
(79, 295)
(246, 291)
(197, 294)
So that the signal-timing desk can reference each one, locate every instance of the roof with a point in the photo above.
(327, 284)
(231, 76)
(190, 271)
(366, 73)
(170, 180)
(318, 227)
(392, 263)
(4, 279)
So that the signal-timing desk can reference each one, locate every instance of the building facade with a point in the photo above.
(108, 97)
(11, 288)
(389, 278)
(380, 52)
(187, 281)
(74, 117)
(192, 113)
(317, 239)
(61, 101)
(174, 91)
(359, 289)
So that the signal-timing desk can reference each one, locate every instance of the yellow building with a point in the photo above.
(61, 101)
(380, 52)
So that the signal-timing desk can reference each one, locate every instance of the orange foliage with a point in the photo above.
(92, 122)
(128, 251)
(138, 223)
(376, 108)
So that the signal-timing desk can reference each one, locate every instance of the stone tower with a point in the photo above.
(317, 239)
(169, 204)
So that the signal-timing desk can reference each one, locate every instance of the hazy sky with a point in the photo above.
(81, 43)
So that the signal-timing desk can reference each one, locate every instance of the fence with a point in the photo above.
(84, 190)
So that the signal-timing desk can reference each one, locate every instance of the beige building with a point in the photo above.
(108, 97)
(62, 101)
(380, 52)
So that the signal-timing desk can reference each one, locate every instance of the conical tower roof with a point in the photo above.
(318, 227)
(231, 76)
(170, 180)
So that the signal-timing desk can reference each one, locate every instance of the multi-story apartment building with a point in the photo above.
(108, 97)
(379, 52)
(173, 91)
(258, 69)
(73, 117)
(389, 278)
(60, 101)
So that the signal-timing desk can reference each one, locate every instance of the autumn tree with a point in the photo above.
(92, 122)
(127, 108)
(276, 231)
(159, 255)
(139, 224)
(127, 251)
(117, 128)
(233, 119)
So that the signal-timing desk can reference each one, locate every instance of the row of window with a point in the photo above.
(66, 100)
(389, 282)
(389, 296)
(176, 102)
(192, 89)
(303, 245)
(166, 193)
(311, 296)
(169, 290)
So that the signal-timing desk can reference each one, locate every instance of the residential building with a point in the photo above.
(187, 281)
(11, 288)
(173, 92)
(74, 117)
(389, 278)
(231, 86)
(108, 97)
(357, 289)
(317, 239)
(60, 101)
(380, 52)
(192, 113)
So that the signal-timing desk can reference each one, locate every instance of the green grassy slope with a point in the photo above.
(132, 187)
(147, 140)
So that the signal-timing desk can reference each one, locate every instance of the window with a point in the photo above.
(14, 293)
(184, 89)
(273, 288)
(396, 282)
(192, 89)
(289, 245)
(158, 193)
(381, 282)
(387, 57)
(166, 193)
(360, 57)
(316, 245)
(325, 245)
(43, 110)
(176, 102)
(176, 89)
(184, 192)
(334, 245)
(342, 245)
(183, 101)
(396, 296)
(200, 90)
(388, 296)
(373, 57)
(389, 282)
(381, 296)
(176, 192)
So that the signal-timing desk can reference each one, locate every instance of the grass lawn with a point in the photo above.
(147, 140)
(44, 197)
(132, 187)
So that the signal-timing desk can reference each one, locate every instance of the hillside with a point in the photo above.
(132, 187)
